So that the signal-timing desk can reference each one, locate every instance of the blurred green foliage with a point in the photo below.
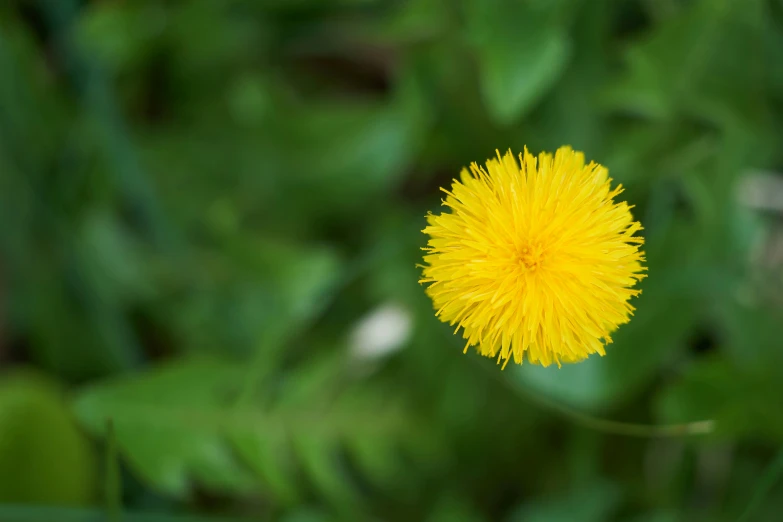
(201, 200)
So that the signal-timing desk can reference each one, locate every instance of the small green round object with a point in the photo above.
(44, 458)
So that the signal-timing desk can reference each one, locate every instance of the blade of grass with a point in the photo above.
(765, 484)
(97, 97)
(112, 481)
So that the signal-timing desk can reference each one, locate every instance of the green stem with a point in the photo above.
(701, 427)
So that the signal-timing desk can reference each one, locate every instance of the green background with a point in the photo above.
(201, 200)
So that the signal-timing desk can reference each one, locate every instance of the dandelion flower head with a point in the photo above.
(534, 258)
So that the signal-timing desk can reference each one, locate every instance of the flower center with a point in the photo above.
(531, 255)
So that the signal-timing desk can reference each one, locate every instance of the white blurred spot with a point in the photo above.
(762, 191)
(381, 332)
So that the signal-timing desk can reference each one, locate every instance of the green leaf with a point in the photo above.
(269, 457)
(570, 114)
(120, 35)
(522, 52)
(307, 515)
(255, 294)
(742, 403)
(223, 39)
(453, 508)
(595, 503)
(182, 423)
(658, 516)
(707, 60)
(347, 154)
(751, 332)
(168, 424)
(410, 21)
(112, 259)
(321, 463)
(44, 457)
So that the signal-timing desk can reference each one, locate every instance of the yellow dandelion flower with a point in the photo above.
(535, 259)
